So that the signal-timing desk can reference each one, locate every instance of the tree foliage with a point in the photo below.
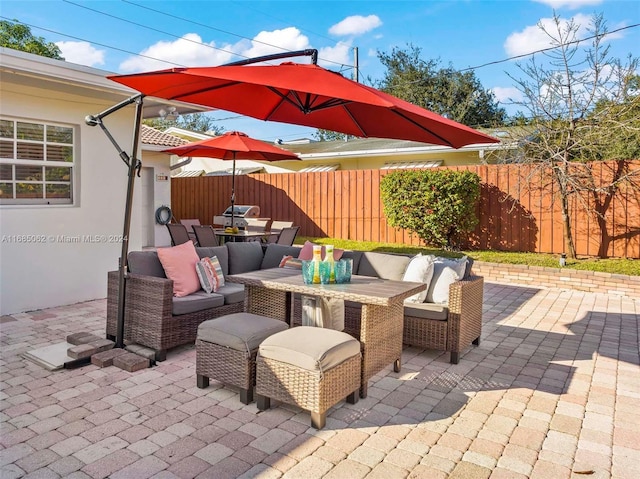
(457, 95)
(198, 122)
(17, 36)
(328, 135)
(583, 107)
(439, 206)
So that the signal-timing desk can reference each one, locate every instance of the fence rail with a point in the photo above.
(347, 205)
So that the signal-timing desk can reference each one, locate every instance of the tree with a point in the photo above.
(457, 95)
(328, 135)
(436, 205)
(19, 37)
(193, 122)
(583, 107)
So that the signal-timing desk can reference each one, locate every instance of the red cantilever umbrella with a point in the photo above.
(306, 95)
(231, 146)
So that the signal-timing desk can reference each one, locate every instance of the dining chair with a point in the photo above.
(189, 222)
(179, 233)
(287, 235)
(276, 226)
(205, 235)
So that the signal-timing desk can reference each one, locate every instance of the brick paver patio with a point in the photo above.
(552, 391)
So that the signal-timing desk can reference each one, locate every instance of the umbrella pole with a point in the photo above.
(134, 166)
(233, 188)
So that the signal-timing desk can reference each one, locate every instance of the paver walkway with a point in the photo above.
(553, 390)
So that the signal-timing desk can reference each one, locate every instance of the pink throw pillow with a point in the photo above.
(306, 252)
(179, 263)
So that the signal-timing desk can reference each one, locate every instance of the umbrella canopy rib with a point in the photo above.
(184, 96)
(430, 131)
(355, 122)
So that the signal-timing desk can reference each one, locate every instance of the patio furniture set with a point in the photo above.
(281, 232)
(249, 332)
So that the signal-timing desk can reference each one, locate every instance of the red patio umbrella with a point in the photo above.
(233, 145)
(306, 95)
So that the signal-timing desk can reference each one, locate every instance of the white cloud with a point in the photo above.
(341, 53)
(355, 25)
(189, 51)
(532, 38)
(286, 39)
(570, 4)
(507, 94)
(82, 53)
(186, 51)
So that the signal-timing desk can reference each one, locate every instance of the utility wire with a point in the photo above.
(151, 28)
(176, 17)
(542, 50)
(12, 20)
(244, 5)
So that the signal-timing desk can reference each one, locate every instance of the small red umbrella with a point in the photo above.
(233, 145)
(306, 95)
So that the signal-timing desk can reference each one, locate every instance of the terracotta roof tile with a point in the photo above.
(151, 136)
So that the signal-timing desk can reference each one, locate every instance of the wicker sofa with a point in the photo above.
(154, 318)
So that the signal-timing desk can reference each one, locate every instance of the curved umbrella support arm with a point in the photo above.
(309, 52)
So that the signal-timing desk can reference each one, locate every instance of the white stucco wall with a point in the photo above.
(57, 264)
(161, 195)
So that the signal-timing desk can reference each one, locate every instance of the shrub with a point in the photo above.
(436, 205)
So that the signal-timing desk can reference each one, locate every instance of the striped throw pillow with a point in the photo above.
(210, 274)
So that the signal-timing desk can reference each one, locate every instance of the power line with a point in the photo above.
(151, 28)
(542, 50)
(282, 20)
(91, 41)
(176, 17)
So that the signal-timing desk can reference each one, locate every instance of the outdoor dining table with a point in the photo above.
(269, 292)
(244, 235)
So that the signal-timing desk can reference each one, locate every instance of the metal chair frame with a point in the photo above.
(179, 233)
(288, 235)
(205, 235)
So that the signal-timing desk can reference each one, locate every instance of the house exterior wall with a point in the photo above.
(60, 254)
(160, 195)
(448, 158)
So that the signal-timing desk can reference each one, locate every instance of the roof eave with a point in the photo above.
(399, 151)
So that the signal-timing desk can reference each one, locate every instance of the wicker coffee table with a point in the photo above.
(269, 292)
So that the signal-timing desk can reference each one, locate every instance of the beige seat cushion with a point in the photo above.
(239, 331)
(438, 312)
(313, 349)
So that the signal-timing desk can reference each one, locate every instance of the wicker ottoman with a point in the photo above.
(226, 349)
(312, 368)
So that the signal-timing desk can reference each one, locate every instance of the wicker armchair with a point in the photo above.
(462, 327)
(148, 314)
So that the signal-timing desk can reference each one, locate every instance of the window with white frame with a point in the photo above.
(36, 162)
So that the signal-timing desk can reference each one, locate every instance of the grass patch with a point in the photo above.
(629, 267)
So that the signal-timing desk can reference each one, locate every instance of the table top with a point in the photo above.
(242, 233)
(361, 289)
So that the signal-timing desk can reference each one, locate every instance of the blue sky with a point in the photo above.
(138, 35)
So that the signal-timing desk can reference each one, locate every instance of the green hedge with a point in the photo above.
(439, 206)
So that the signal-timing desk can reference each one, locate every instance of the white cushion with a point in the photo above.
(446, 271)
(419, 270)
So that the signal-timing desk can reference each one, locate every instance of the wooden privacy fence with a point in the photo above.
(347, 205)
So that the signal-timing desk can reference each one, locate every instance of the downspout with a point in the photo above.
(180, 164)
